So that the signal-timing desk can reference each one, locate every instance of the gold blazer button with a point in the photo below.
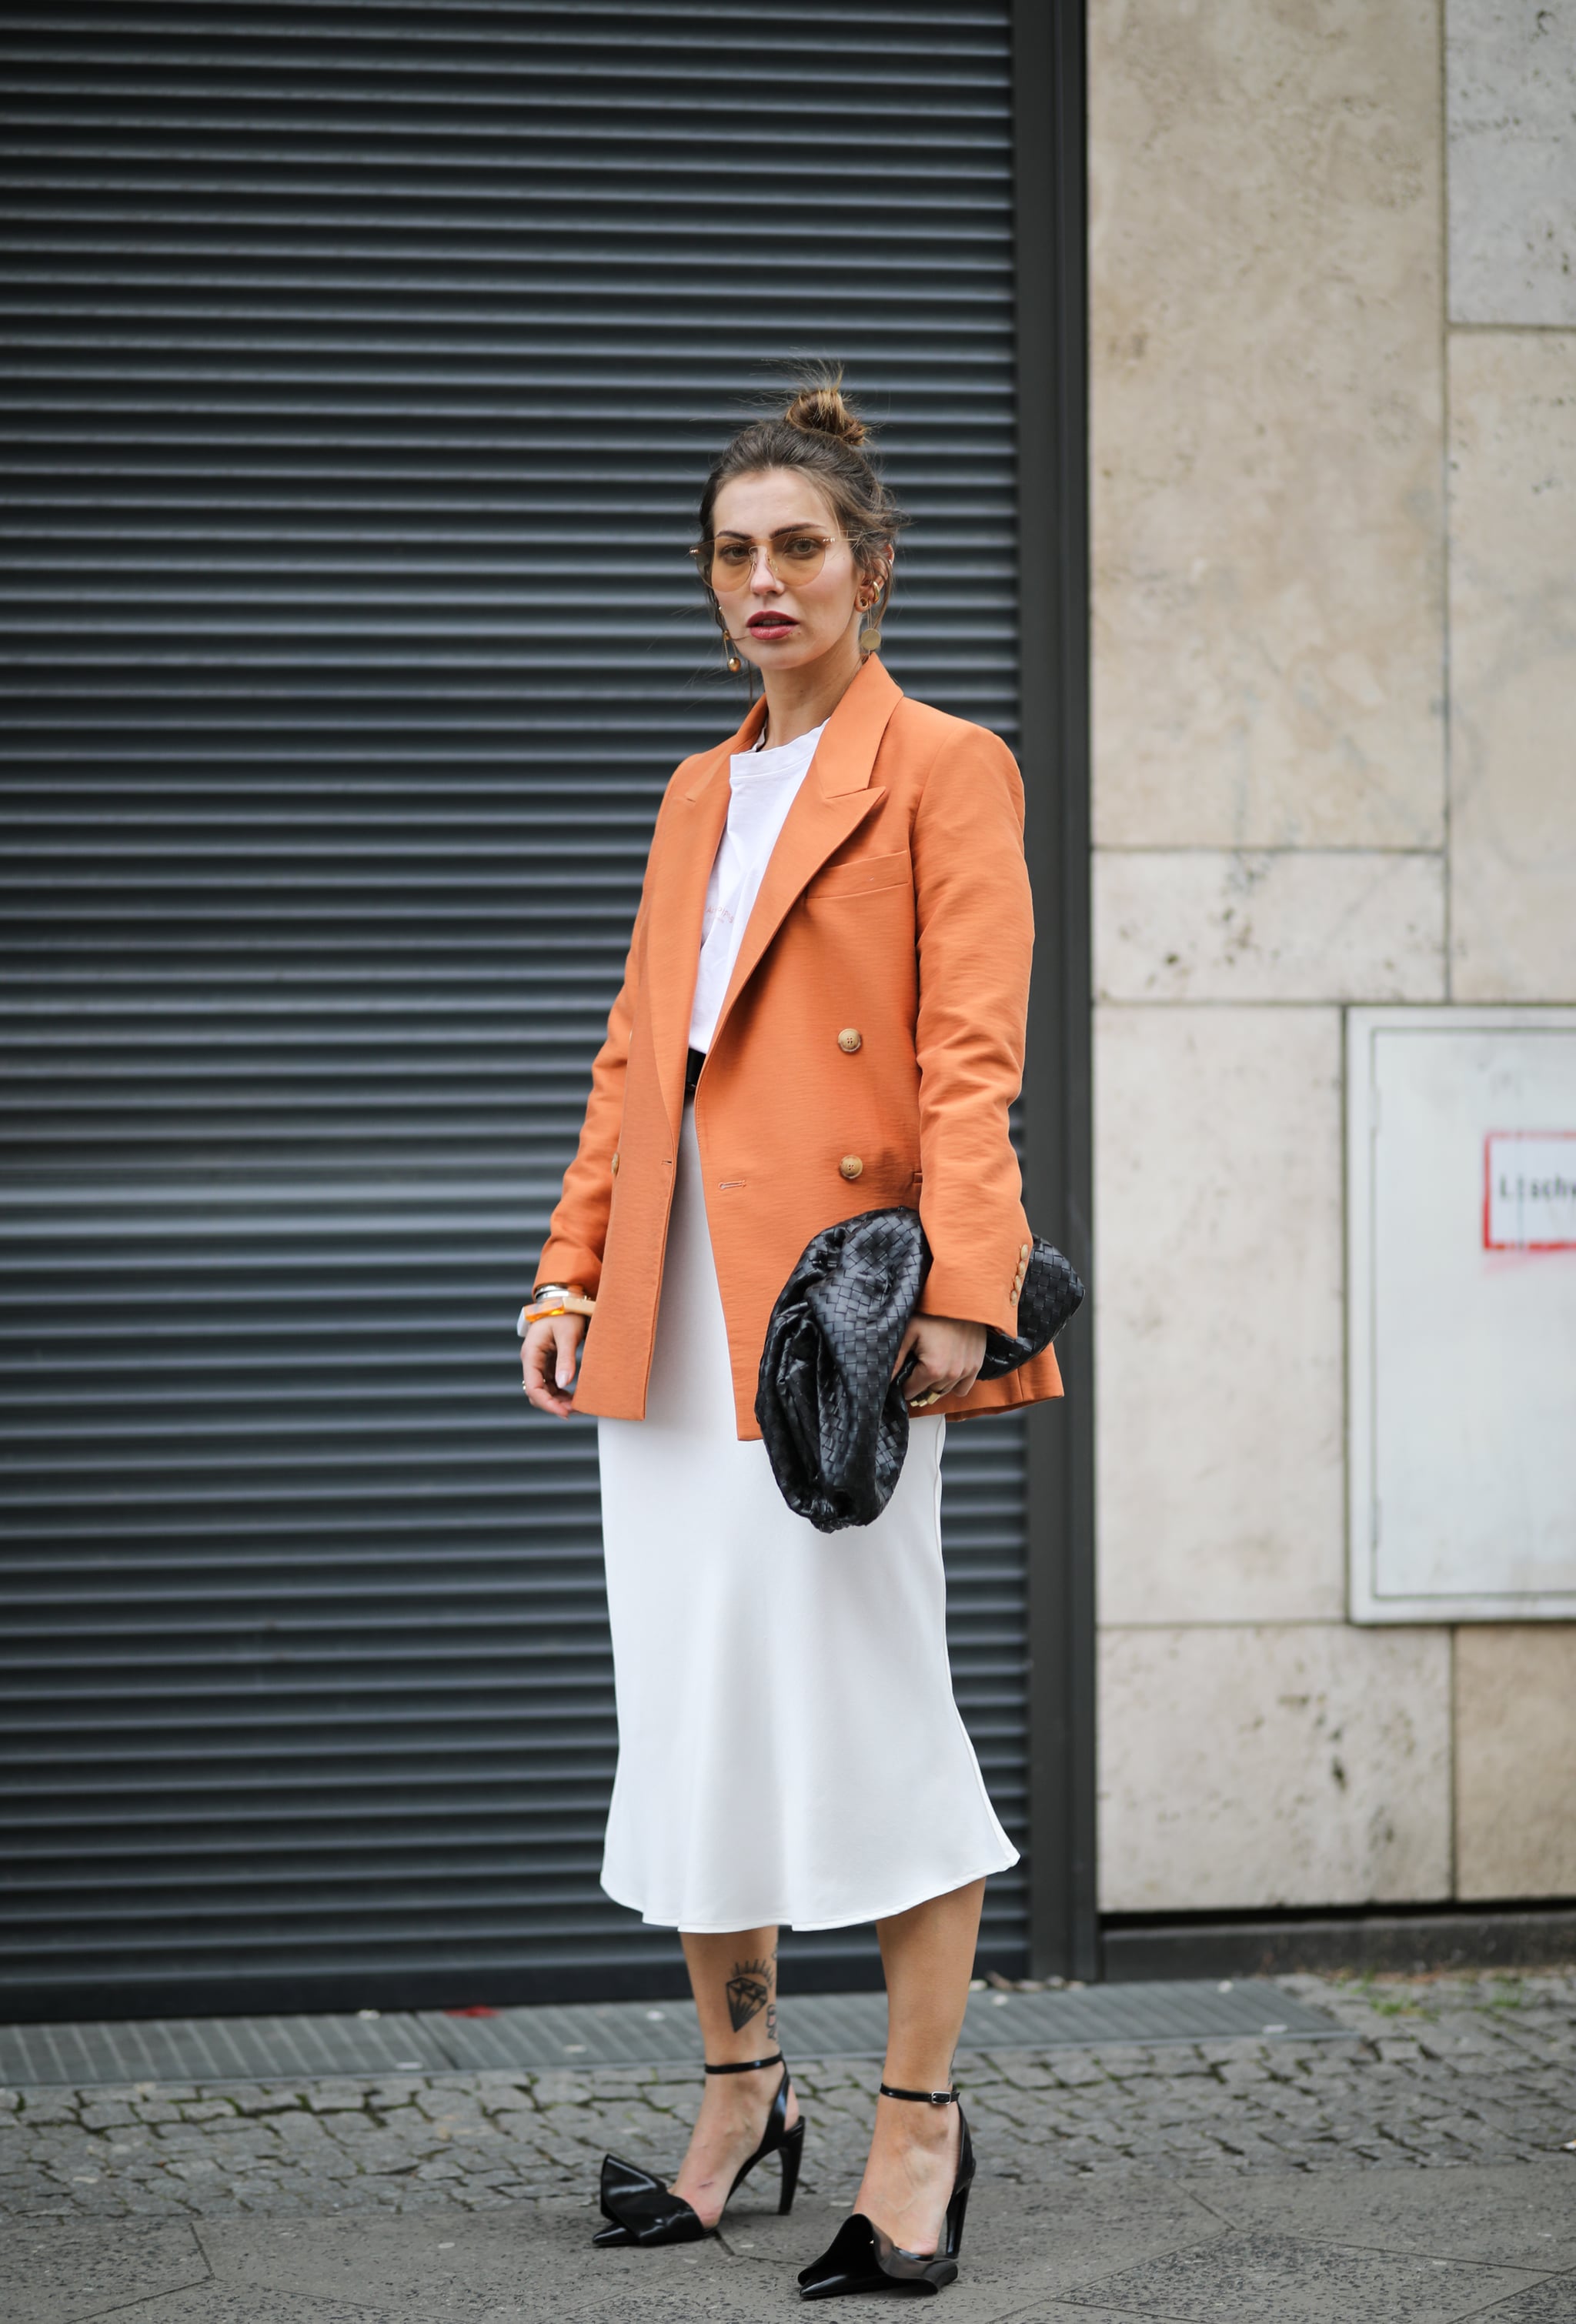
(849, 1039)
(615, 1166)
(851, 1166)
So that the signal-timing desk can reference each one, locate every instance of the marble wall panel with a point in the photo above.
(1516, 1759)
(1510, 76)
(1218, 1277)
(1513, 665)
(1267, 292)
(1303, 1765)
(1202, 924)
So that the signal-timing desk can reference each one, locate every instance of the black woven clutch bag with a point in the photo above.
(834, 1422)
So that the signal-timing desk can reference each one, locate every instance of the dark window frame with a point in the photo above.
(1049, 49)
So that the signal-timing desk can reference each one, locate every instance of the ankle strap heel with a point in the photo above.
(862, 2257)
(640, 2209)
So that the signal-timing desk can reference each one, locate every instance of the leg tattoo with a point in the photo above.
(750, 1990)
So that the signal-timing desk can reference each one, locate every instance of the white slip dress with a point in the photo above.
(789, 1747)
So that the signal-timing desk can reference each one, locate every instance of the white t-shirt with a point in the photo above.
(761, 785)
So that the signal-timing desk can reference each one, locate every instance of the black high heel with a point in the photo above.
(861, 2258)
(642, 2210)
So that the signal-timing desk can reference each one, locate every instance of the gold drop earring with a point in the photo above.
(870, 632)
(729, 651)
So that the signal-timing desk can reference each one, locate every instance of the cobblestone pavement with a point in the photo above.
(1430, 2070)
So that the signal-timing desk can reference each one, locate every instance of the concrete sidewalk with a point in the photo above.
(1413, 2172)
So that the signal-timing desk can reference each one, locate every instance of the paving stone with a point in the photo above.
(1243, 2279)
(1439, 2074)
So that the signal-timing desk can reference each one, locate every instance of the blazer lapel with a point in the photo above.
(678, 893)
(831, 803)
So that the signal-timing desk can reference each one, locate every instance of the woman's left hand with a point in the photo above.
(950, 1354)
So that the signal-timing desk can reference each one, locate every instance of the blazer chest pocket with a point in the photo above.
(863, 875)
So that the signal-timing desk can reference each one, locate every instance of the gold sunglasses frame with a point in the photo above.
(700, 550)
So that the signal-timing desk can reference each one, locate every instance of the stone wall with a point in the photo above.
(1334, 351)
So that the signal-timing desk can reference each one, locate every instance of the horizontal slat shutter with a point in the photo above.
(363, 365)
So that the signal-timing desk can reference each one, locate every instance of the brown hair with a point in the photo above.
(821, 435)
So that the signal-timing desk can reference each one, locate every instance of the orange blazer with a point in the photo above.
(869, 1043)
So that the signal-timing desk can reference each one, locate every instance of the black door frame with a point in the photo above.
(1053, 530)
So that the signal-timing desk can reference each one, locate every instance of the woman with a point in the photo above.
(822, 1013)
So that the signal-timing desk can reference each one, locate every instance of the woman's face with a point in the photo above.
(778, 625)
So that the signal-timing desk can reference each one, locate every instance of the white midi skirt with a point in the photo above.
(789, 1750)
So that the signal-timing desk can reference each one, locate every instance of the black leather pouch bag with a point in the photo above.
(835, 1421)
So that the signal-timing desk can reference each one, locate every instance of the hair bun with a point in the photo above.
(821, 411)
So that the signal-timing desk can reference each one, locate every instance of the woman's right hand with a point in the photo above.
(550, 1354)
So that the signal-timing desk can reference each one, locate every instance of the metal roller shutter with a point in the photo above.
(362, 361)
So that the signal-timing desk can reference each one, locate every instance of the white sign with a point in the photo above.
(1529, 1190)
(1461, 1216)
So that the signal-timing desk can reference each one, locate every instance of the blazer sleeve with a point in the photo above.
(974, 923)
(577, 1229)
